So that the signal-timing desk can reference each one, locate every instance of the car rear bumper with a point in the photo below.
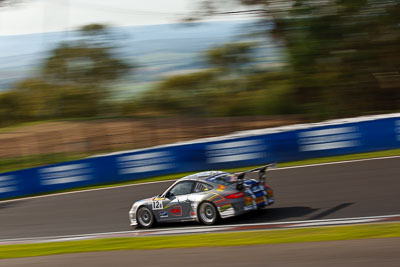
(252, 204)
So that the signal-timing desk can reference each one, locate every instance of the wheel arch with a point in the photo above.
(212, 203)
(149, 208)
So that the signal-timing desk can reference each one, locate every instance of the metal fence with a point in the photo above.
(99, 136)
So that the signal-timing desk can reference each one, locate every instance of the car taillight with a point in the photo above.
(266, 186)
(236, 195)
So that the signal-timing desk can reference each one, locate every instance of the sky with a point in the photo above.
(33, 16)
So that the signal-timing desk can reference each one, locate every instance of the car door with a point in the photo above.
(175, 204)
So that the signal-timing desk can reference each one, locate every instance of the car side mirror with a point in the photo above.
(169, 195)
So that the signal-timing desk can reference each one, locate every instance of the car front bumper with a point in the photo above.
(132, 216)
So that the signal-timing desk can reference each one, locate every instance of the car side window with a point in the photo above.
(202, 187)
(182, 188)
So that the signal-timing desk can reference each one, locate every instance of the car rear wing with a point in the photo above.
(261, 171)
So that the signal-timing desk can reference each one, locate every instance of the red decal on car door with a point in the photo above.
(176, 210)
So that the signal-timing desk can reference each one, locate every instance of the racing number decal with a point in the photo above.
(157, 205)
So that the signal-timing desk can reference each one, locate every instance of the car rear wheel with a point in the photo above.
(208, 214)
(145, 217)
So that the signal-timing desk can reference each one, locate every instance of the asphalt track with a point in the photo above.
(354, 189)
(367, 252)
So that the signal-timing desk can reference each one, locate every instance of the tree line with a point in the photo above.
(342, 59)
(73, 81)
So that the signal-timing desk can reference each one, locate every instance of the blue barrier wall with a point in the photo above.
(243, 149)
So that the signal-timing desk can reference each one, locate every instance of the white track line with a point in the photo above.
(164, 181)
(200, 229)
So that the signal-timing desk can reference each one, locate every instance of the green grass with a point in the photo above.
(19, 163)
(16, 126)
(315, 234)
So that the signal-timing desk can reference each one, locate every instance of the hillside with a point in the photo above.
(156, 50)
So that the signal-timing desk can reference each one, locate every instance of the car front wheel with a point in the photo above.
(208, 214)
(145, 217)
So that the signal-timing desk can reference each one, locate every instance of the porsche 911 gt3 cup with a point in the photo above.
(205, 197)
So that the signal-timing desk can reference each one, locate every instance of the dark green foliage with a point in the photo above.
(343, 60)
(215, 91)
(231, 56)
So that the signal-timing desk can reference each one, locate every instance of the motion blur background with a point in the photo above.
(80, 77)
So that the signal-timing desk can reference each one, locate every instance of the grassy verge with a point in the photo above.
(206, 240)
(19, 163)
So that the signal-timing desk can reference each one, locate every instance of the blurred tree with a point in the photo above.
(40, 99)
(83, 64)
(196, 93)
(89, 60)
(182, 93)
(231, 57)
(79, 101)
(94, 29)
(344, 55)
(74, 79)
(11, 108)
(83, 71)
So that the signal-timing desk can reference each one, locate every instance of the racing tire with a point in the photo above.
(208, 213)
(144, 217)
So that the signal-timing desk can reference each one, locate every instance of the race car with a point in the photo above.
(205, 197)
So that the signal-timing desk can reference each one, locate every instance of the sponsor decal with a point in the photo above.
(221, 188)
(213, 197)
(260, 200)
(248, 201)
(163, 214)
(236, 151)
(246, 208)
(397, 129)
(326, 139)
(157, 205)
(8, 183)
(256, 189)
(224, 207)
(220, 201)
(65, 174)
(176, 210)
(145, 162)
